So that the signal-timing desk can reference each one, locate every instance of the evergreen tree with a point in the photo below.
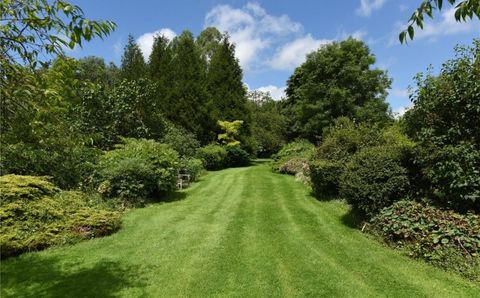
(160, 69)
(133, 64)
(208, 41)
(225, 86)
(188, 104)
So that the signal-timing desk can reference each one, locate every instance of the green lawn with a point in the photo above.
(239, 232)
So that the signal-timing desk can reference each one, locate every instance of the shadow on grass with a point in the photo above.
(36, 276)
(353, 219)
(174, 197)
(260, 161)
(323, 197)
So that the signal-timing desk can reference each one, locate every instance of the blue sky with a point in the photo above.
(272, 37)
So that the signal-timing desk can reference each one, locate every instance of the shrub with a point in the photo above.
(68, 164)
(292, 165)
(374, 179)
(191, 166)
(181, 140)
(293, 157)
(15, 187)
(137, 170)
(345, 138)
(444, 121)
(237, 157)
(214, 156)
(453, 175)
(299, 148)
(34, 214)
(444, 238)
(324, 176)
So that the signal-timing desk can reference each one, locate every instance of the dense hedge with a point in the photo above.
(137, 170)
(324, 177)
(237, 157)
(443, 237)
(373, 179)
(34, 215)
(214, 156)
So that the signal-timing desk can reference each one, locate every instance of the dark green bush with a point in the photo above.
(342, 140)
(34, 215)
(324, 177)
(442, 237)
(191, 166)
(373, 179)
(237, 157)
(453, 175)
(67, 163)
(214, 156)
(181, 140)
(137, 170)
(445, 121)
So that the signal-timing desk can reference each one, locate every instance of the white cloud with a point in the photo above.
(293, 53)
(447, 25)
(251, 29)
(145, 42)
(368, 6)
(400, 111)
(277, 93)
(359, 34)
(398, 92)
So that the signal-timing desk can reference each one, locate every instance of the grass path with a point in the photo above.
(242, 232)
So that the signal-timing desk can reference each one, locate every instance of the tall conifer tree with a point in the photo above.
(225, 85)
(188, 101)
(160, 70)
(133, 64)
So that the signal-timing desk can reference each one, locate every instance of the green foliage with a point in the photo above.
(268, 123)
(192, 166)
(69, 164)
(181, 140)
(291, 165)
(15, 187)
(442, 237)
(342, 140)
(464, 9)
(187, 101)
(137, 170)
(373, 179)
(225, 86)
(444, 121)
(27, 29)
(133, 65)
(324, 177)
(237, 157)
(231, 130)
(336, 80)
(214, 156)
(293, 157)
(34, 214)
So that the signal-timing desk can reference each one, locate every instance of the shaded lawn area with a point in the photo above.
(244, 232)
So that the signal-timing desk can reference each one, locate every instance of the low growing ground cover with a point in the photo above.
(243, 232)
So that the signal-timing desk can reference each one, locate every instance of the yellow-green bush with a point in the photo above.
(34, 214)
